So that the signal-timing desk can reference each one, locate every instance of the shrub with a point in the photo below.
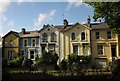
(16, 62)
(27, 62)
(63, 64)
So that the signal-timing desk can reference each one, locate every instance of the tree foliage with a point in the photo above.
(110, 12)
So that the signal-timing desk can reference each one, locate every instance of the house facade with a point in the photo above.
(104, 44)
(1, 46)
(51, 40)
(10, 46)
(91, 39)
(29, 44)
(77, 40)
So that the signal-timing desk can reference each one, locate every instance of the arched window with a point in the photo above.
(53, 37)
(83, 36)
(44, 37)
(73, 36)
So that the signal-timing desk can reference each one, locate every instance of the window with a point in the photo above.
(73, 36)
(51, 47)
(75, 49)
(108, 34)
(44, 37)
(97, 35)
(100, 49)
(11, 43)
(10, 54)
(85, 49)
(32, 54)
(33, 42)
(25, 42)
(53, 37)
(83, 36)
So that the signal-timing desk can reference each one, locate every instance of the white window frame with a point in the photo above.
(24, 42)
(75, 45)
(71, 36)
(102, 49)
(32, 42)
(10, 54)
(30, 54)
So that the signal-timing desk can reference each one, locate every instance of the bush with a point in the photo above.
(27, 62)
(63, 64)
(16, 62)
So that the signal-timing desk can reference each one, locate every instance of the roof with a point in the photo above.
(11, 32)
(29, 34)
(99, 26)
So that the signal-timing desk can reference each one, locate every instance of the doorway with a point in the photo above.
(113, 50)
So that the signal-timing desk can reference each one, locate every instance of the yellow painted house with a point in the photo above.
(10, 45)
(104, 44)
(76, 40)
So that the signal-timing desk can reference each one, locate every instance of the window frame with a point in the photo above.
(83, 36)
(97, 34)
(73, 36)
(53, 37)
(44, 39)
(100, 49)
(10, 54)
(32, 42)
(77, 49)
(26, 42)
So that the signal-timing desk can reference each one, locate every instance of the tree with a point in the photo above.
(109, 12)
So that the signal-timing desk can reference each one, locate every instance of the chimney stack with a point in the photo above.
(65, 22)
(23, 30)
(88, 21)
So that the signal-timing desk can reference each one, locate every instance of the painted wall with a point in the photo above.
(105, 42)
(14, 48)
(48, 31)
(77, 29)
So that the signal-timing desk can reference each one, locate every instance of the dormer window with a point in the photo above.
(11, 43)
(53, 37)
(44, 37)
(73, 36)
(83, 36)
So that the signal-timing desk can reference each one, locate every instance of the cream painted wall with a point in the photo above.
(105, 42)
(77, 29)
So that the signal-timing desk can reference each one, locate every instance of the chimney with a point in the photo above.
(65, 22)
(23, 30)
(88, 21)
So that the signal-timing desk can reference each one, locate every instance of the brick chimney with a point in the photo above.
(88, 21)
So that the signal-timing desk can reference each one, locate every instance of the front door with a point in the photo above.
(113, 50)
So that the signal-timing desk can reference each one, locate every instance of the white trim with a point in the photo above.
(32, 42)
(31, 49)
(76, 45)
(10, 52)
(24, 43)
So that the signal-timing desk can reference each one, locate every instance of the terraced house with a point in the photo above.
(29, 44)
(10, 45)
(51, 40)
(105, 46)
(90, 39)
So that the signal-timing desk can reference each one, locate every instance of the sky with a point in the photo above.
(33, 15)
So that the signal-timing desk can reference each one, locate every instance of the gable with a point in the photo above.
(11, 32)
(77, 28)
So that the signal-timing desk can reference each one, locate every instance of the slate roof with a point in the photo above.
(98, 25)
(13, 32)
(29, 34)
